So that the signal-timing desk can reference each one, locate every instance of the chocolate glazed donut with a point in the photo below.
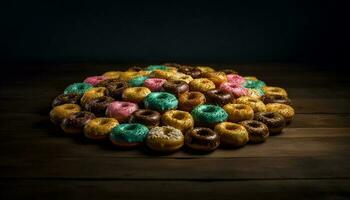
(274, 121)
(258, 131)
(176, 86)
(188, 70)
(202, 139)
(75, 123)
(99, 105)
(276, 99)
(114, 87)
(150, 118)
(219, 97)
(66, 98)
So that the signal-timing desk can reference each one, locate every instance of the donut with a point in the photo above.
(160, 67)
(256, 104)
(79, 88)
(274, 121)
(165, 139)
(253, 78)
(258, 131)
(150, 118)
(256, 93)
(74, 123)
(285, 110)
(276, 99)
(162, 74)
(204, 69)
(176, 87)
(160, 101)
(182, 77)
(93, 93)
(233, 89)
(219, 97)
(114, 87)
(191, 71)
(216, 77)
(112, 74)
(99, 128)
(201, 85)
(99, 105)
(72, 98)
(232, 134)
(58, 113)
(208, 115)
(121, 110)
(269, 90)
(128, 135)
(202, 139)
(236, 79)
(238, 112)
(181, 120)
(94, 80)
(128, 75)
(154, 84)
(189, 100)
(254, 84)
(229, 71)
(137, 81)
(135, 94)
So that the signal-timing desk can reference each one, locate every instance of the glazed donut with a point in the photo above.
(233, 89)
(204, 69)
(99, 105)
(276, 99)
(256, 104)
(285, 110)
(135, 94)
(165, 139)
(93, 93)
(99, 128)
(201, 85)
(258, 131)
(161, 101)
(154, 84)
(182, 77)
(274, 121)
(58, 113)
(232, 134)
(216, 77)
(121, 110)
(128, 135)
(189, 100)
(202, 139)
(269, 90)
(255, 93)
(150, 118)
(208, 115)
(178, 119)
(176, 87)
(72, 98)
(162, 74)
(235, 79)
(219, 97)
(79, 88)
(114, 87)
(94, 80)
(74, 123)
(137, 81)
(238, 112)
(112, 74)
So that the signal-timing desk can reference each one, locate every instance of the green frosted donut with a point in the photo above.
(160, 101)
(209, 114)
(254, 84)
(79, 88)
(129, 133)
(155, 67)
(137, 81)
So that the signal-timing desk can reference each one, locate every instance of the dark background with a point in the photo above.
(183, 31)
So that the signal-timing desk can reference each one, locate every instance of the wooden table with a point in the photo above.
(309, 160)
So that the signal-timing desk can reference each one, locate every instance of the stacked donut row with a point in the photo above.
(172, 105)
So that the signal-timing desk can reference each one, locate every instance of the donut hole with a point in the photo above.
(254, 124)
(177, 82)
(162, 96)
(204, 132)
(209, 109)
(252, 100)
(192, 96)
(147, 113)
(80, 115)
(138, 89)
(119, 85)
(231, 127)
(274, 90)
(99, 90)
(124, 105)
(101, 100)
(81, 87)
(179, 116)
(269, 115)
(240, 107)
(104, 121)
(131, 127)
(70, 107)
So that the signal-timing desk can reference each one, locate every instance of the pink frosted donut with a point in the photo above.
(233, 89)
(154, 84)
(121, 110)
(94, 80)
(236, 79)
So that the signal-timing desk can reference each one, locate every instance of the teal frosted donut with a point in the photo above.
(128, 135)
(155, 67)
(254, 84)
(208, 115)
(79, 88)
(137, 81)
(161, 101)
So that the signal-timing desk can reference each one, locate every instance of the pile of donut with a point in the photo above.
(171, 105)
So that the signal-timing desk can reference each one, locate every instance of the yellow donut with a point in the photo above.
(204, 69)
(179, 119)
(58, 113)
(216, 77)
(285, 110)
(135, 94)
(112, 74)
(238, 112)
(99, 128)
(269, 90)
(232, 134)
(128, 75)
(201, 85)
(256, 104)
(93, 93)
(182, 77)
(162, 74)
